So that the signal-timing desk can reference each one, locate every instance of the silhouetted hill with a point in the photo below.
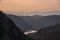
(42, 21)
(21, 23)
(49, 33)
(9, 31)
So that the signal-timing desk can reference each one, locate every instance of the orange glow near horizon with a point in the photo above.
(29, 5)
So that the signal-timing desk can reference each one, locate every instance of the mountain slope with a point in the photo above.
(42, 21)
(47, 21)
(49, 33)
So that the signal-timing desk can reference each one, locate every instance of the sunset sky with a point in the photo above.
(29, 5)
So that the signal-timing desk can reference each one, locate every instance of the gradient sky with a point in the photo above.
(29, 5)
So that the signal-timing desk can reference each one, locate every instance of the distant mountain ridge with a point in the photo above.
(31, 18)
(42, 21)
(35, 22)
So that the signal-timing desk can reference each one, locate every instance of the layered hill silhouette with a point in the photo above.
(9, 31)
(49, 33)
(35, 22)
(42, 21)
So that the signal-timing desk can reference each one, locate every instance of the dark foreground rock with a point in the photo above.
(9, 31)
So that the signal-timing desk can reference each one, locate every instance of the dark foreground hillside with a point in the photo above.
(49, 33)
(9, 31)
